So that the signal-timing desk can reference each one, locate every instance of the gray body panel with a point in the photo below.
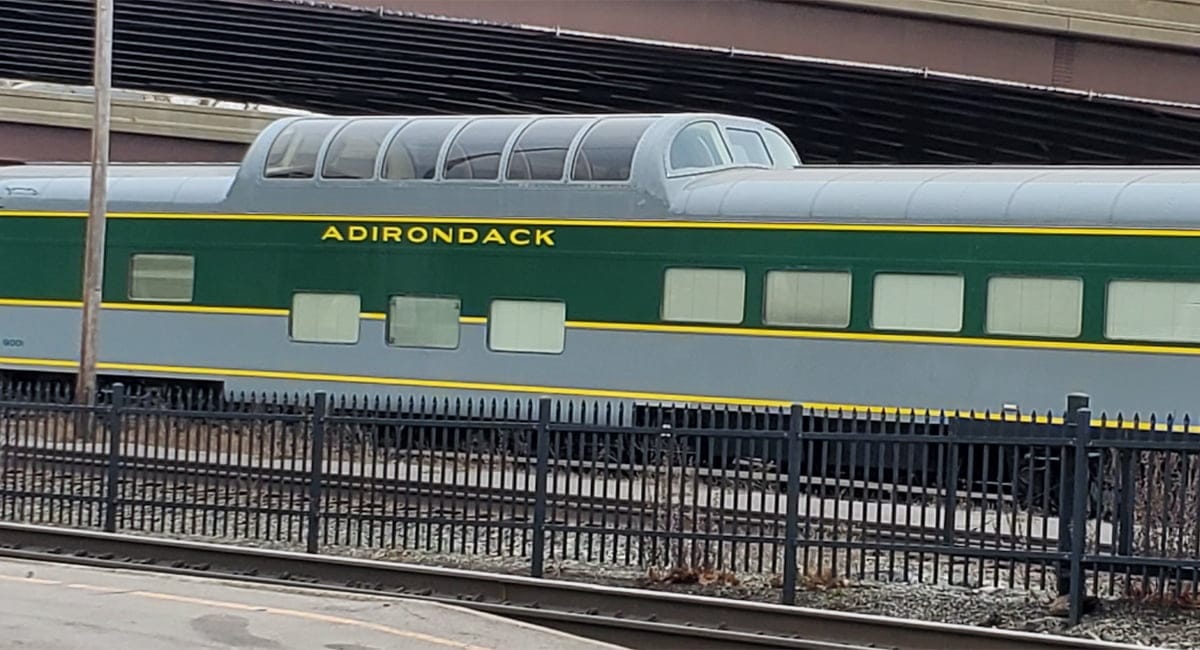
(718, 366)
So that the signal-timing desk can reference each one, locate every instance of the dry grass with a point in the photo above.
(1167, 503)
(1164, 522)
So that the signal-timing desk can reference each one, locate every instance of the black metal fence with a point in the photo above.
(806, 497)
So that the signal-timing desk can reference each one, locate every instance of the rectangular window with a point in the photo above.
(808, 298)
(527, 326)
(325, 317)
(1035, 306)
(1153, 311)
(918, 302)
(164, 278)
(423, 322)
(704, 295)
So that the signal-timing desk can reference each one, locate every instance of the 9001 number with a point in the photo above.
(12, 343)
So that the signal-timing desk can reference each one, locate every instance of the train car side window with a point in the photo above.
(918, 302)
(807, 298)
(540, 153)
(475, 152)
(1153, 311)
(606, 153)
(1027, 306)
(324, 318)
(423, 322)
(527, 326)
(161, 278)
(413, 153)
(353, 151)
(704, 295)
(748, 147)
(781, 150)
(293, 154)
(698, 147)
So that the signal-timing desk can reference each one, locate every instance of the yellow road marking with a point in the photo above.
(312, 616)
(277, 611)
(103, 590)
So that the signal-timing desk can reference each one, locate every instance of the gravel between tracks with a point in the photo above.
(1011, 606)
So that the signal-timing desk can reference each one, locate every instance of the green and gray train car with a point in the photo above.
(681, 258)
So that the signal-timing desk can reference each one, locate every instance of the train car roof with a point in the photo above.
(696, 166)
(1129, 197)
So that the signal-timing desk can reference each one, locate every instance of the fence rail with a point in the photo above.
(803, 496)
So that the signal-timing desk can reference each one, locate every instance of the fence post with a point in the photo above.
(316, 472)
(1125, 508)
(1083, 439)
(791, 532)
(1068, 481)
(538, 560)
(950, 502)
(112, 473)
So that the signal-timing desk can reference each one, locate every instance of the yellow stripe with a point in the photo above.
(197, 309)
(397, 381)
(888, 338)
(862, 409)
(157, 307)
(187, 309)
(633, 223)
(15, 302)
(873, 337)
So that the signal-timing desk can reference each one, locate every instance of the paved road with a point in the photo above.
(61, 607)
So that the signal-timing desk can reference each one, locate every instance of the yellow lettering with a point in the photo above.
(440, 234)
(519, 236)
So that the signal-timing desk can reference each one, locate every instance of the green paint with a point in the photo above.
(604, 273)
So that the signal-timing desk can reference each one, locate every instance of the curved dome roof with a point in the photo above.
(1158, 197)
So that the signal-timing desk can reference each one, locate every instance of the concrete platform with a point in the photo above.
(62, 607)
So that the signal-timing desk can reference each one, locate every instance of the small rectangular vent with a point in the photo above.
(1063, 72)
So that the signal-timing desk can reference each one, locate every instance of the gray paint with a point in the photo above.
(1032, 196)
(856, 372)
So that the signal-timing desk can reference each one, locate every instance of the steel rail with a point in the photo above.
(631, 617)
(578, 508)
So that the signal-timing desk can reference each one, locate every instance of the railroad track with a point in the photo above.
(428, 497)
(633, 618)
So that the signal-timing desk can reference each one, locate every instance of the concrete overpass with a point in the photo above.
(1138, 48)
(343, 59)
(42, 122)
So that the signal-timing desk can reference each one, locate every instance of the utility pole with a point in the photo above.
(93, 257)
